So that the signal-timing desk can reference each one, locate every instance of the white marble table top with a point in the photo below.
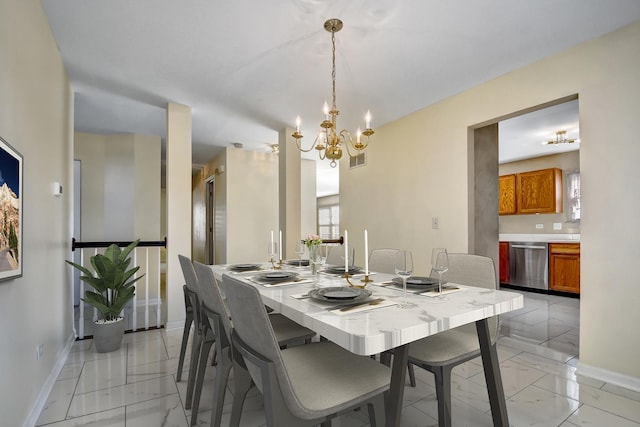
(376, 330)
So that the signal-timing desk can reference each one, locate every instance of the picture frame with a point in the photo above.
(11, 197)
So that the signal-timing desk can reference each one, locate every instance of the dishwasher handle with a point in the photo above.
(528, 247)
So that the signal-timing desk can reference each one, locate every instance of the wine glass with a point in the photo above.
(317, 258)
(404, 269)
(301, 248)
(440, 264)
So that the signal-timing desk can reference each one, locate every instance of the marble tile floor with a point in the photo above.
(136, 385)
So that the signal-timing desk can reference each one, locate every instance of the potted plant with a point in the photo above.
(112, 282)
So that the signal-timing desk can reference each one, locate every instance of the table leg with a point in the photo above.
(396, 389)
(492, 375)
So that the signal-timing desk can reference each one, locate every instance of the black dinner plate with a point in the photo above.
(339, 269)
(418, 282)
(297, 262)
(276, 276)
(340, 294)
(244, 267)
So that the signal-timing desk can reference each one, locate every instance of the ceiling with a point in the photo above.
(248, 68)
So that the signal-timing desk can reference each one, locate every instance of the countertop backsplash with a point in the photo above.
(539, 237)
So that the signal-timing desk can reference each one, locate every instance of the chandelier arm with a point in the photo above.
(302, 149)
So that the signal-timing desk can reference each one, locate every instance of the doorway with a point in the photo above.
(548, 321)
(210, 214)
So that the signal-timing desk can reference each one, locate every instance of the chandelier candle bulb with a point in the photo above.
(367, 120)
(358, 133)
(325, 110)
(298, 124)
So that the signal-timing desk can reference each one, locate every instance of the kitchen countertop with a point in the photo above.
(549, 238)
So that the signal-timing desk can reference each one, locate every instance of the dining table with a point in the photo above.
(382, 326)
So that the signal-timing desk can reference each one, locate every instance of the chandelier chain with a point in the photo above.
(333, 68)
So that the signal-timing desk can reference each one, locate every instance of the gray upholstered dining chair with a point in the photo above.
(304, 385)
(217, 323)
(335, 255)
(442, 352)
(383, 260)
(192, 295)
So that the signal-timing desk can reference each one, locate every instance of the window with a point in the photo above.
(328, 222)
(573, 195)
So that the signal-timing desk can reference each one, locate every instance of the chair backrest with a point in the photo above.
(383, 260)
(335, 255)
(251, 323)
(211, 295)
(470, 270)
(473, 270)
(188, 273)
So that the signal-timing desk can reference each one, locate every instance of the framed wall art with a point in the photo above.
(10, 212)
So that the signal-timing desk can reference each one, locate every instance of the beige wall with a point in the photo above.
(246, 205)
(36, 119)
(568, 162)
(308, 205)
(417, 167)
(120, 186)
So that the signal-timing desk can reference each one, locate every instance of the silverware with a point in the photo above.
(372, 302)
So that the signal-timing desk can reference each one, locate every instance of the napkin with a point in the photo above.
(364, 308)
(288, 282)
(445, 291)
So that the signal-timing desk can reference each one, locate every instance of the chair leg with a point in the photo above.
(412, 375)
(376, 411)
(195, 350)
(220, 386)
(202, 366)
(241, 385)
(183, 348)
(443, 392)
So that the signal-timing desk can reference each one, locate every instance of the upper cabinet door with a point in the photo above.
(539, 191)
(507, 194)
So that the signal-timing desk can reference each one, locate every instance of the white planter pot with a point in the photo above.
(107, 336)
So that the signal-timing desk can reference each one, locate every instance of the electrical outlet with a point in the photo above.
(557, 226)
(434, 223)
(39, 351)
(539, 226)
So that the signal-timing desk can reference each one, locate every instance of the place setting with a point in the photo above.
(345, 299)
(273, 278)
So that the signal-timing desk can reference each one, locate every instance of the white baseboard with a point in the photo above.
(41, 400)
(611, 377)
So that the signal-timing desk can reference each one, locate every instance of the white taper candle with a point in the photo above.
(366, 253)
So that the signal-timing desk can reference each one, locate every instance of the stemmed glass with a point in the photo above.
(440, 264)
(317, 258)
(300, 249)
(404, 269)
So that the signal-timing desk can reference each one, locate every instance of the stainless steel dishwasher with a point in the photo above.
(529, 264)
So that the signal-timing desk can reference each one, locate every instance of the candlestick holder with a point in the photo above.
(363, 283)
(274, 265)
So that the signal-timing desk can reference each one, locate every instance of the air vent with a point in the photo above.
(357, 161)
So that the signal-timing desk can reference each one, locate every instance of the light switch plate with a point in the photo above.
(557, 226)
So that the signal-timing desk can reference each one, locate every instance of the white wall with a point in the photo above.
(120, 190)
(308, 199)
(36, 119)
(251, 205)
(417, 168)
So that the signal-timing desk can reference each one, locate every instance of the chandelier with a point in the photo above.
(329, 141)
(561, 138)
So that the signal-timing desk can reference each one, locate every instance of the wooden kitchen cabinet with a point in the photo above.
(539, 191)
(507, 194)
(564, 267)
(503, 262)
